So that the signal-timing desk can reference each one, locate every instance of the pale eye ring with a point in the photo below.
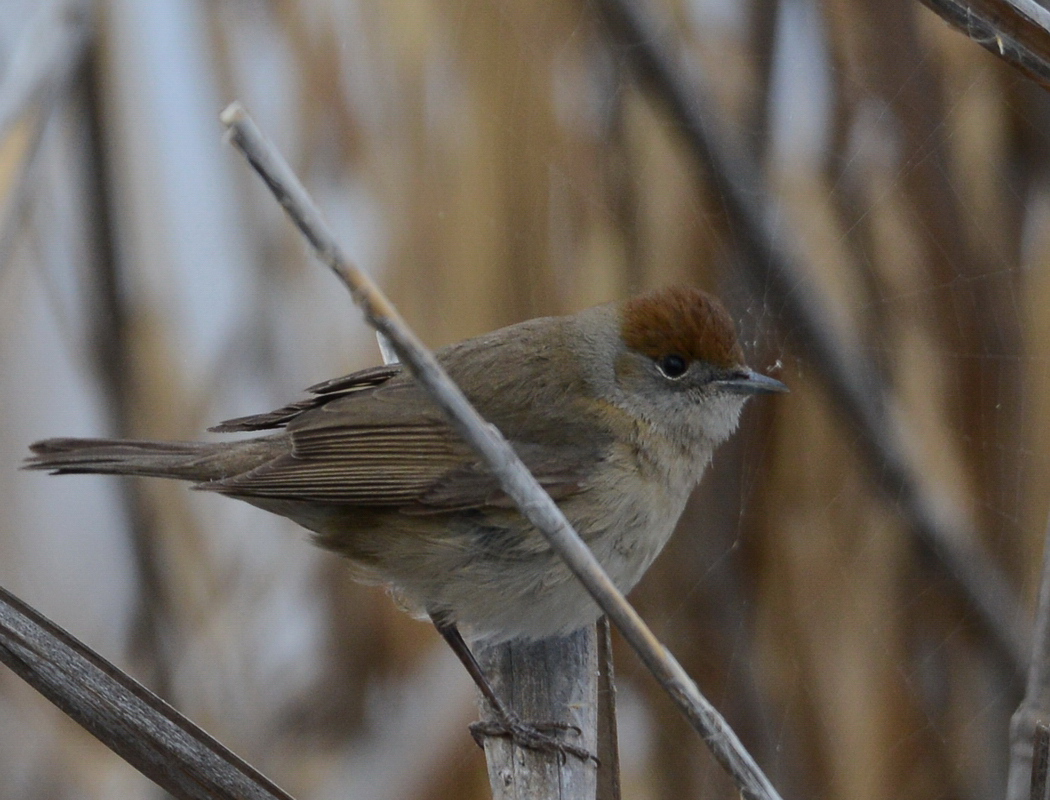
(672, 365)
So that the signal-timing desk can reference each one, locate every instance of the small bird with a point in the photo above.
(616, 410)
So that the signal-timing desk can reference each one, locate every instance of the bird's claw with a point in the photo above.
(534, 736)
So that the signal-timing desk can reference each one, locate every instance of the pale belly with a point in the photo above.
(494, 575)
(499, 579)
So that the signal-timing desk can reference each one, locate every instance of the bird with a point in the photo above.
(616, 410)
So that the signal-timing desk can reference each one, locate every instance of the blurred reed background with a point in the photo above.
(490, 161)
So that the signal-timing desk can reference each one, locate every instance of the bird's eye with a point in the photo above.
(672, 366)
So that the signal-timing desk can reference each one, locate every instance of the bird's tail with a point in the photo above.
(194, 461)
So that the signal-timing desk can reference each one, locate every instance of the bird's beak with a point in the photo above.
(747, 381)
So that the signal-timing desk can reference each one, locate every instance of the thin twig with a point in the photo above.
(1018, 31)
(775, 272)
(534, 503)
(121, 713)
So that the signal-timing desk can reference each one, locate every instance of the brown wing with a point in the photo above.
(375, 439)
(561, 471)
(353, 464)
(323, 393)
(392, 447)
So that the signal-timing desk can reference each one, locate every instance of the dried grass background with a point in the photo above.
(491, 161)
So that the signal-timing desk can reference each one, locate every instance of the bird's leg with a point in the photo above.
(531, 735)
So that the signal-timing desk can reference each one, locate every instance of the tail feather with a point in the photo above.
(196, 461)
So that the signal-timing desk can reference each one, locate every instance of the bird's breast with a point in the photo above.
(629, 509)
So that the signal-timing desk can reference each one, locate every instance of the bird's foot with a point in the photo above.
(534, 736)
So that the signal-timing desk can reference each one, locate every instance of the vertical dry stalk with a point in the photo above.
(111, 351)
(554, 680)
(1024, 726)
(608, 736)
(1040, 761)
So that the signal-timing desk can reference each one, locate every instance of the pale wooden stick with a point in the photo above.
(535, 504)
(554, 680)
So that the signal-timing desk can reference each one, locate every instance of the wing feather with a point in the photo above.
(375, 439)
(420, 470)
(323, 392)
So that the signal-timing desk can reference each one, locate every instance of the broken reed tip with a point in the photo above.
(233, 113)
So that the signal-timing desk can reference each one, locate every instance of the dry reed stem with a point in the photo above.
(1017, 31)
(129, 719)
(1025, 723)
